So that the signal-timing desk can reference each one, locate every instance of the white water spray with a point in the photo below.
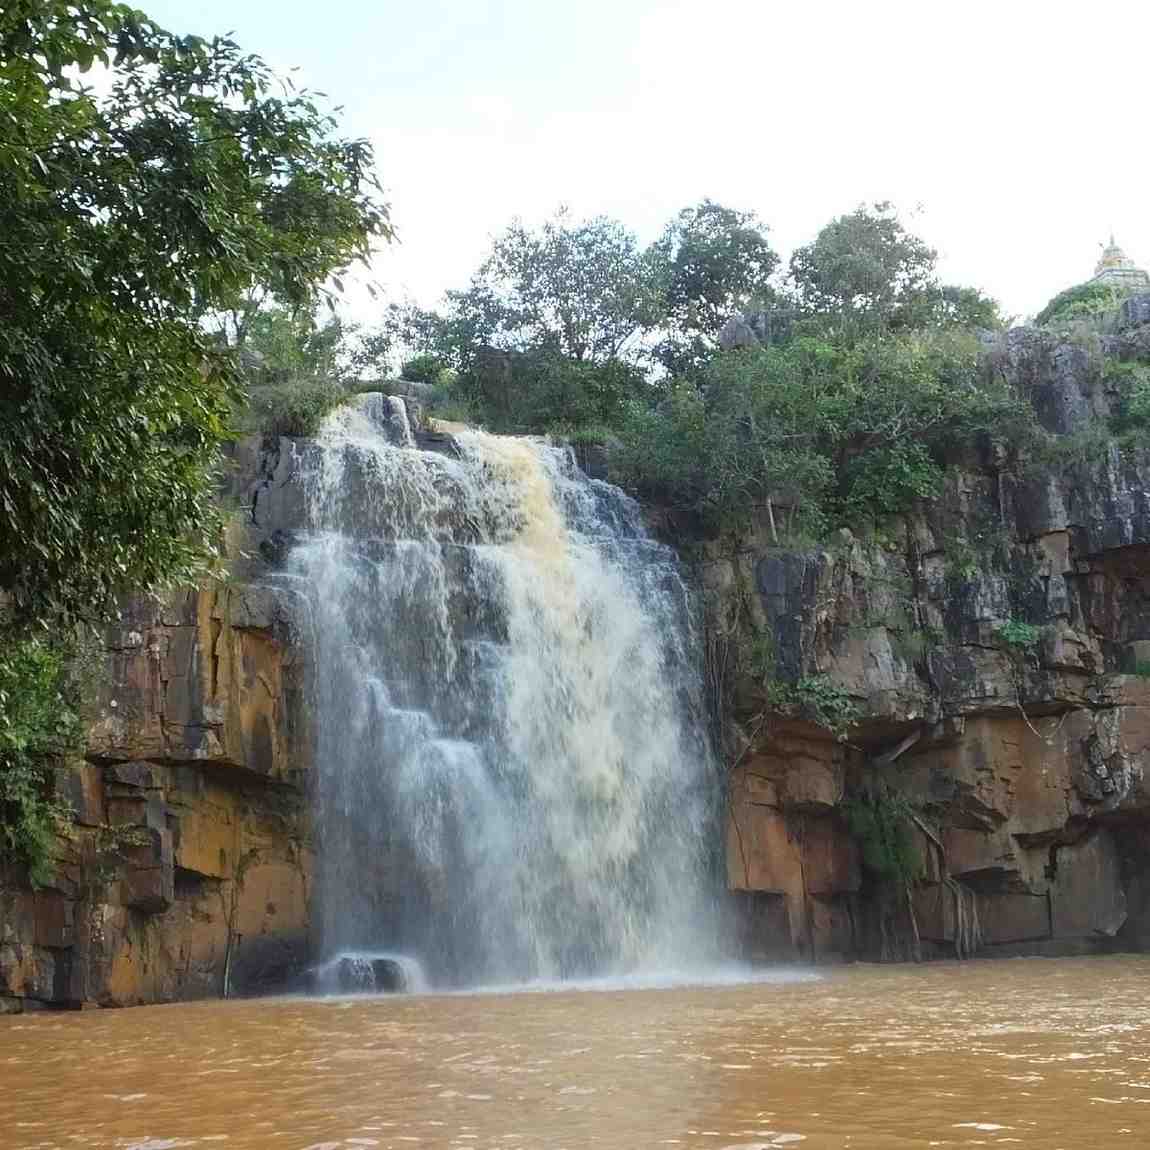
(513, 776)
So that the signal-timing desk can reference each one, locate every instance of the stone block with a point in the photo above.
(254, 607)
(1011, 916)
(206, 838)
(139, 776)
(812, 782)
(52, 919)
(753, 787)
(830, 858)
(934, 912)
(142, 809)
(1086, 893)
(148, 883)
(986, 853)
(82, 786)
(831, 930)
(150, 890)
(762, 853)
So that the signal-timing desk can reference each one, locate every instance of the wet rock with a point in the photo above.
(1134, 312)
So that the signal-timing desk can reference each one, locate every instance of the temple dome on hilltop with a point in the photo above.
(1116, 268)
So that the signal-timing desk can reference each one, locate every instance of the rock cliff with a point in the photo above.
(993, 647)
(187, 871)
(996, 646)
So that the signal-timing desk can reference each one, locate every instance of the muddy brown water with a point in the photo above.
(1023, 1052)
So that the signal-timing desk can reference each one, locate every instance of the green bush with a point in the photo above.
(1130, 385)
(818, 432)
(39, 725)
(662, 451)
(293, 407)
(881, 821)
(422, 369)
(537, 392)
(817, 698)
(884, 482)
(1080, 302)
(1018, 635)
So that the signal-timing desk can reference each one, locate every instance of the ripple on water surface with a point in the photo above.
(1031, 1053)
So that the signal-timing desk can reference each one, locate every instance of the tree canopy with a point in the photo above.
(579, 289)
(711, 262)
(126, 219)
(864, 272)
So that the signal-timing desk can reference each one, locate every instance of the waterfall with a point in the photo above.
(512, 771)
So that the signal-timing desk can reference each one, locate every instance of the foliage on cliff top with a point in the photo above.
(868, 381)
(127, 218)
(865, 273)
(293, 372)
(819, 432)
(710, 263)
(1082, 301)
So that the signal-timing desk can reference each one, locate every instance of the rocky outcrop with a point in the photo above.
(187, 871)
(996, 645)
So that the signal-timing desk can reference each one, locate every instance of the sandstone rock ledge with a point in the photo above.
(1029, 765)
(189, 864)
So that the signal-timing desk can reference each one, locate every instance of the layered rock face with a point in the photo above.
(187, 872)
(998, 647)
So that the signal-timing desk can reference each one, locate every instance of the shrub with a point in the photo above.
(293, 407)
(538, 391)
(1018, 635)
(1130, 383)
(661, 451)
(881, 821)
(422, 369)
(817, 698)
(1080, 302)
(39, 723)
(820, 433)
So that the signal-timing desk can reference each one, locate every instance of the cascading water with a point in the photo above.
(514, 781)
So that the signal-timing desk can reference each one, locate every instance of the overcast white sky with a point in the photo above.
(1019, 131)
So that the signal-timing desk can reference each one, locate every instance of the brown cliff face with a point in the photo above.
(1021, 756)
(189, 863)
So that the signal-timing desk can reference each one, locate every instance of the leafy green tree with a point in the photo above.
(862, 268)
(711, 263)
(126, 220)
(952, 306)
(422, 368)
(818, 433)
(865, 273)
(754, 441)
(578, 289)
(539, 391)
(296, 370)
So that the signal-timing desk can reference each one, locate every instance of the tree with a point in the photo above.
(580, 290)
(818, 433)
(295, 369)
(711, 263)
(125, 220)
(754, 436)
(862, 268)
(953, 306)
(865, 273)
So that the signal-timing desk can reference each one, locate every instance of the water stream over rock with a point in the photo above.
(514, 781)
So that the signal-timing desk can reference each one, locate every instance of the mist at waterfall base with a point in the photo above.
(514, 783)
